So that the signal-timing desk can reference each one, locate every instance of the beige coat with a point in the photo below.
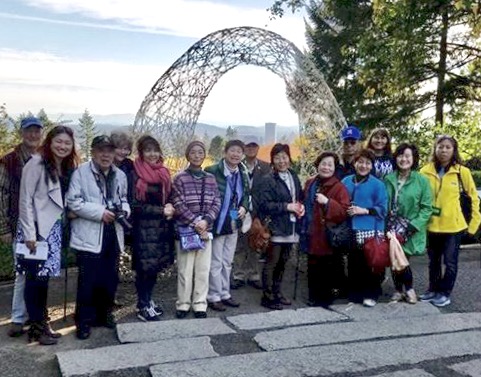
(40, 200)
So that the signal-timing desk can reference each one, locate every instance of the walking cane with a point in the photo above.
(65, 287)
(296, 276)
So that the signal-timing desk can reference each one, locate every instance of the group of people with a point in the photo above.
(200, 218)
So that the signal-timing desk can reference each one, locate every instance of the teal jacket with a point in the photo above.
(218, 171)
(415, 204)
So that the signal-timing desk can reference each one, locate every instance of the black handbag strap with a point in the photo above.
(460, 182)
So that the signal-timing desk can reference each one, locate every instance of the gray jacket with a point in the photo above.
(40, 201)
(87, 201)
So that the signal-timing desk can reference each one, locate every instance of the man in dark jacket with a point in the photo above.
(246, 261)
(351, 144)
(11, 166)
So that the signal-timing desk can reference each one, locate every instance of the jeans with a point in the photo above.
(443, 247)
(19, 310)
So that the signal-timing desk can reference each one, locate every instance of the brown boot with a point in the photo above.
(37, 332)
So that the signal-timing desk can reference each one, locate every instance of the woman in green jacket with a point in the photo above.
(410, 208)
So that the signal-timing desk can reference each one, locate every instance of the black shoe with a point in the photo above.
(83, 332)
(284, 301)
(50, 332)
(108, 321)
(181, 314)
(231, 302)
(200, 314)
(217, 306)
(236, 284)
(255, 284)
(271, 304)
(15, 330)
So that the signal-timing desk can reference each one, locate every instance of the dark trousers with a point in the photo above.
(321, 277)
(97, 280)
(443, 247)
(36, 293)
(144, 283)
(276, 259)
(403, 279)
(363, 282)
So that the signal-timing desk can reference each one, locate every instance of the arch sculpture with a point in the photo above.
(172, 107)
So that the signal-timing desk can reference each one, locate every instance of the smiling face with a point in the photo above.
(281, 162)
(151, 154)
(363, 166)
(196, 156)
(103, 157)
(326, 167)
(405, 160)
(234, 155)
(61, 146)
(350, 147)
(379, 142)
(444, 151)
(31, 137)
(251, 151)
(121, 153)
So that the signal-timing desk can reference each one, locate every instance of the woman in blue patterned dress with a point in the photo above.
(41, 208)
(379, 142)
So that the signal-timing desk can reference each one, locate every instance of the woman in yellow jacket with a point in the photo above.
(447, 178)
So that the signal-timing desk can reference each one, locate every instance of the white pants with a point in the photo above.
(223, 249)
(193, 277)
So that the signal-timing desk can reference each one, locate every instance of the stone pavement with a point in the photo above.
(391, 339)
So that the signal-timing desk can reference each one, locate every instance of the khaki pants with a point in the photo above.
(193, 277)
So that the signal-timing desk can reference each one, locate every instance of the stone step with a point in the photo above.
(314, 335)
(130, 356)
(139, 332)
(406, 373)
(325, 360)
(469, 368)
(282, 318)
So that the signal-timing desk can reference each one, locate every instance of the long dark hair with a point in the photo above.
(383, 132)
(456, 159)
(68, 164)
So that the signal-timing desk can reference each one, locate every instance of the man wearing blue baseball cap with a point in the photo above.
(11, 166)
(351, 144)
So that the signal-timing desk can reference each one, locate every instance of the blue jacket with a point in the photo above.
(370, 194)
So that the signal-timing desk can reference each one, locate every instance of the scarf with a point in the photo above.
(151, 174)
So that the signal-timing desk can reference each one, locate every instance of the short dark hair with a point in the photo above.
(456, 159)
(366, 153)
(145, 141)
(278, 148)
(400, 150)
(324, 155)
(121, 138)
(232, 143)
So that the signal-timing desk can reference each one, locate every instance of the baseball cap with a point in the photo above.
(30, 121)
(252, 144)
(102, 141)
(351, 132)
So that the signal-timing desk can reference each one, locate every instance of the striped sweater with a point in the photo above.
(186, 198)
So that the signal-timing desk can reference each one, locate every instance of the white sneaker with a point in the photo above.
(397, 296)
(411, 296)
(369, 302)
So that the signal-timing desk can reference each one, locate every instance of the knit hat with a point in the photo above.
(191, 145)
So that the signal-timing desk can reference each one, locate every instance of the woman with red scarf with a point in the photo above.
(153, 241)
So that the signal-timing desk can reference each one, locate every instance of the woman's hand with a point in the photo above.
(321, 198)
(31, 245)
(169, 211)
(201, 226)
(356, 211)
(241, 212)
(297, 208)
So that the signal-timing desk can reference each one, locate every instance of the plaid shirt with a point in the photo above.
(9, 188)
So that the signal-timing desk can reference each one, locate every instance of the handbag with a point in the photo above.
(465, 201)
(259, 235)
(189, 239)
(339, 236)
(376, 252)
(398, 225)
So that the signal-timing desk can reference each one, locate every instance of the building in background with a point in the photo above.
(270, 133)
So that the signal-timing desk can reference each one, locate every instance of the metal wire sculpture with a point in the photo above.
(172, 107)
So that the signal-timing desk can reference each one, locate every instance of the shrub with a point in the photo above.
(477, 177)
(6, 262)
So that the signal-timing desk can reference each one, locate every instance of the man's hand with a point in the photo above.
(108, 217)
(6, 238)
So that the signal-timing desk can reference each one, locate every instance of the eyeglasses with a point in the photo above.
(350, 142)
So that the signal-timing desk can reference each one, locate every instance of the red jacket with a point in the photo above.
(336, 212)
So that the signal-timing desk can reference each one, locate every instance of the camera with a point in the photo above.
(119, 215)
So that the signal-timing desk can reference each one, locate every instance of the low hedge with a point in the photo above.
(6, 262)
(477, 177)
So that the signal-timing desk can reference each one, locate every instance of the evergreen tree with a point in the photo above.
(87, 131)
(5, 131)
(216, 149)
(47, 123)
(231, 133)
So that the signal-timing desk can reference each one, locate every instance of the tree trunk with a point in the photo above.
(443, 51)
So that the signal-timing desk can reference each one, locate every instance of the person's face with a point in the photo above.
(251, 151)
(151, 154)
(444, 151)
(61, 146)
(196, 156)
(379, 142)
(103, 157)
(31, 136)
(281, 162)
(234, 155)
(326, 167)
(405, 160)
(121, 153)
(363, 166)
(350, 147)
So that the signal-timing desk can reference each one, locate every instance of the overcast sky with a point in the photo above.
(105, 55)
